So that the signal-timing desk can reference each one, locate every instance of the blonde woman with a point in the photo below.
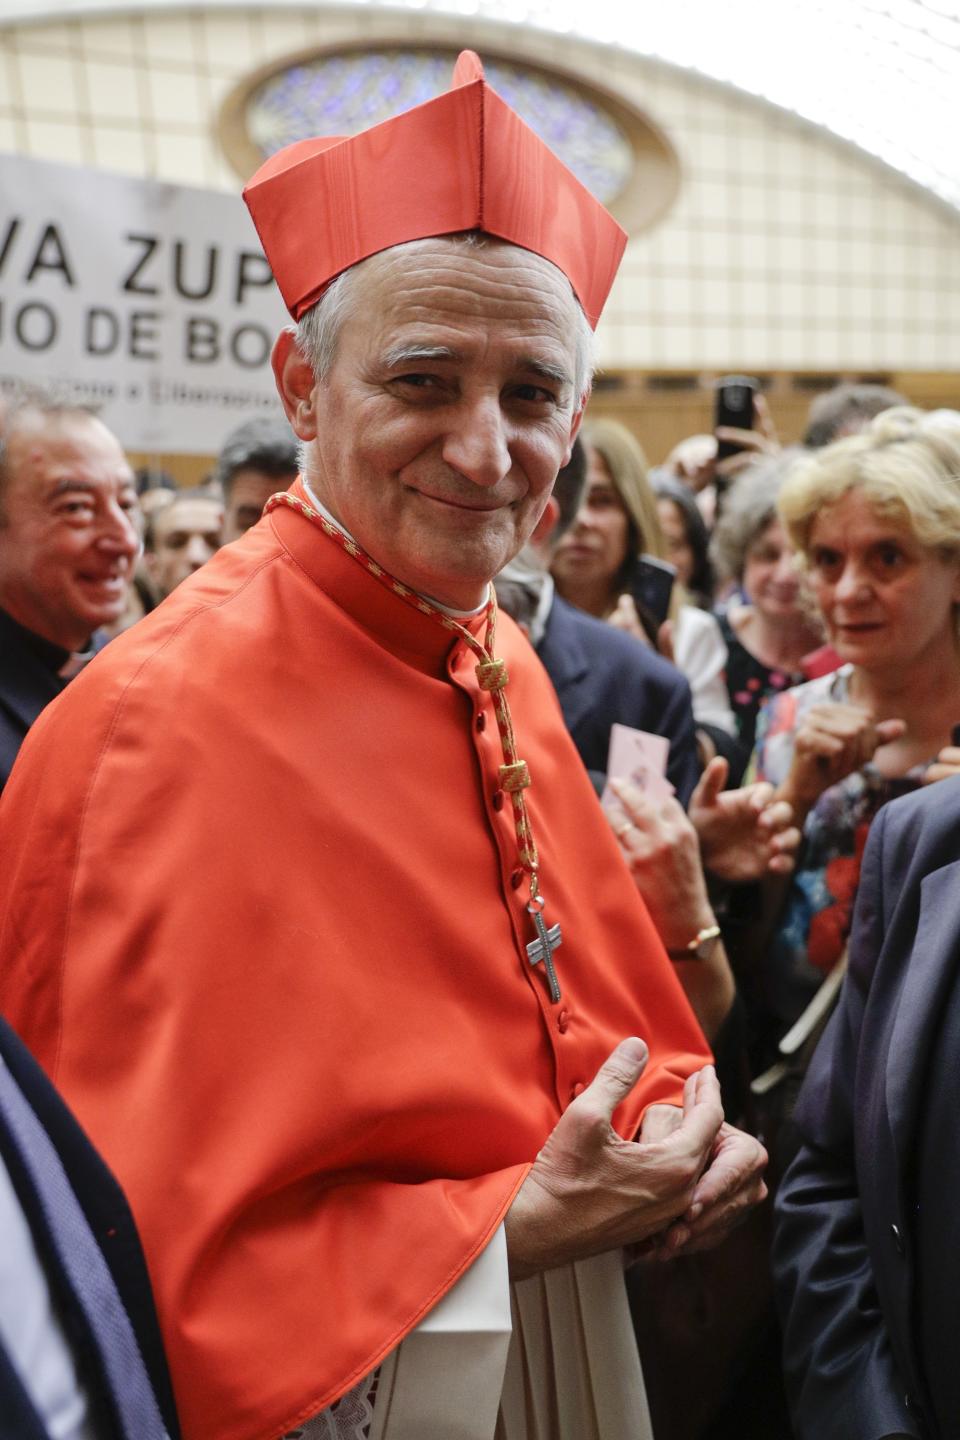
(876, 519)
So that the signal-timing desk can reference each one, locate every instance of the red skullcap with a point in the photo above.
(463, 161)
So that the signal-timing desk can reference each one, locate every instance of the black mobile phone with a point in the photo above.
(651, 586)
(733, 405)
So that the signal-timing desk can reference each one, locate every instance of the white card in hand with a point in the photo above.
(641, 758)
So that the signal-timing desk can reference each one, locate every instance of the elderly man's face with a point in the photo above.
(68, 536)
(447, 411)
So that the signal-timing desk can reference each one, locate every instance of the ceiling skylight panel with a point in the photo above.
(883, 74)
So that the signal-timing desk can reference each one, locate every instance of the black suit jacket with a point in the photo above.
(109, 1218)
(28, 682)
(845, 1253)
(601, 676)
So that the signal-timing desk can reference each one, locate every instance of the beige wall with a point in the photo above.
(785, 249)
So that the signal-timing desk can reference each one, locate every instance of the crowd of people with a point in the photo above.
(433, 892)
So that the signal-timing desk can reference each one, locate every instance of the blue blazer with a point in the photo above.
(601, 676)
(845, 1253)
(112, 1224)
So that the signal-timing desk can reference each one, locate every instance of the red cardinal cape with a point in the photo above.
(261, 920)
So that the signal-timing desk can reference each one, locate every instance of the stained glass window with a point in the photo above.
(884, 74)
(344, 93)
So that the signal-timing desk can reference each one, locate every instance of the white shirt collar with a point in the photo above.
(538, 625)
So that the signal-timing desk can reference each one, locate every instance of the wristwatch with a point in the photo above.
(700, 947)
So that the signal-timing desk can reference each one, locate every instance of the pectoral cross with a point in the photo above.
(542, 949)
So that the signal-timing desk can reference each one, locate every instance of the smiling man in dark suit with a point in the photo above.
(68, 545)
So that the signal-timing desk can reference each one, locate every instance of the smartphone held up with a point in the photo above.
(651, 585)
(733, 409)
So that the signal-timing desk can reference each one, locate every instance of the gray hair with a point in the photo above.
(748, 508)
(33, 401)
(264, 443)
(846, 409)
(319, 328)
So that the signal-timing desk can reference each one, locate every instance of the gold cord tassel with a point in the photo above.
(492, 674)
(515, 777)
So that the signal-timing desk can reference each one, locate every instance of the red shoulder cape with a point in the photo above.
(258, 920)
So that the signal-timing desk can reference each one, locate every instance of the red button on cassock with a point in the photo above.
(563, 1020)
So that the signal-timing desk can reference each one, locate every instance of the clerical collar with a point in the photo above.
(438, 604)
(75, 662)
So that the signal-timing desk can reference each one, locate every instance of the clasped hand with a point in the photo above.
(681, 1186)
(832, 741)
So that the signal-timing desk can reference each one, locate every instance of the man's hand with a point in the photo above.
(744, 834)
(625, 616)
(728, 1190)
(660, 846)
(752, 445)
(589, 1191)
(693, 461)
(833, 740)
(946, 765)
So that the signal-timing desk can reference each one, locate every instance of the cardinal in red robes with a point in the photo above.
(308, 906)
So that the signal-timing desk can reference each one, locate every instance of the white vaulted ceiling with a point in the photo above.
(882, 74)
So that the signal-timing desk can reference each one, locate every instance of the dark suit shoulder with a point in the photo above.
(105, 1207)
(28, 682)
(912, 837)
(603, 676)
(611, 648)
(927, 819)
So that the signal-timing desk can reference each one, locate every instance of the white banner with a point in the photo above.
(151, 302)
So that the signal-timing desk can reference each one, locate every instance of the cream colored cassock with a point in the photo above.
(549, 1358)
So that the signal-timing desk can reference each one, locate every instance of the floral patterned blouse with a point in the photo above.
(749, 682)
(815, 923)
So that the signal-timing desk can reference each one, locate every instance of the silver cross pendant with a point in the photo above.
(541, 949)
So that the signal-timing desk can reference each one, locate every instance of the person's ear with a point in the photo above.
(295, 384)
